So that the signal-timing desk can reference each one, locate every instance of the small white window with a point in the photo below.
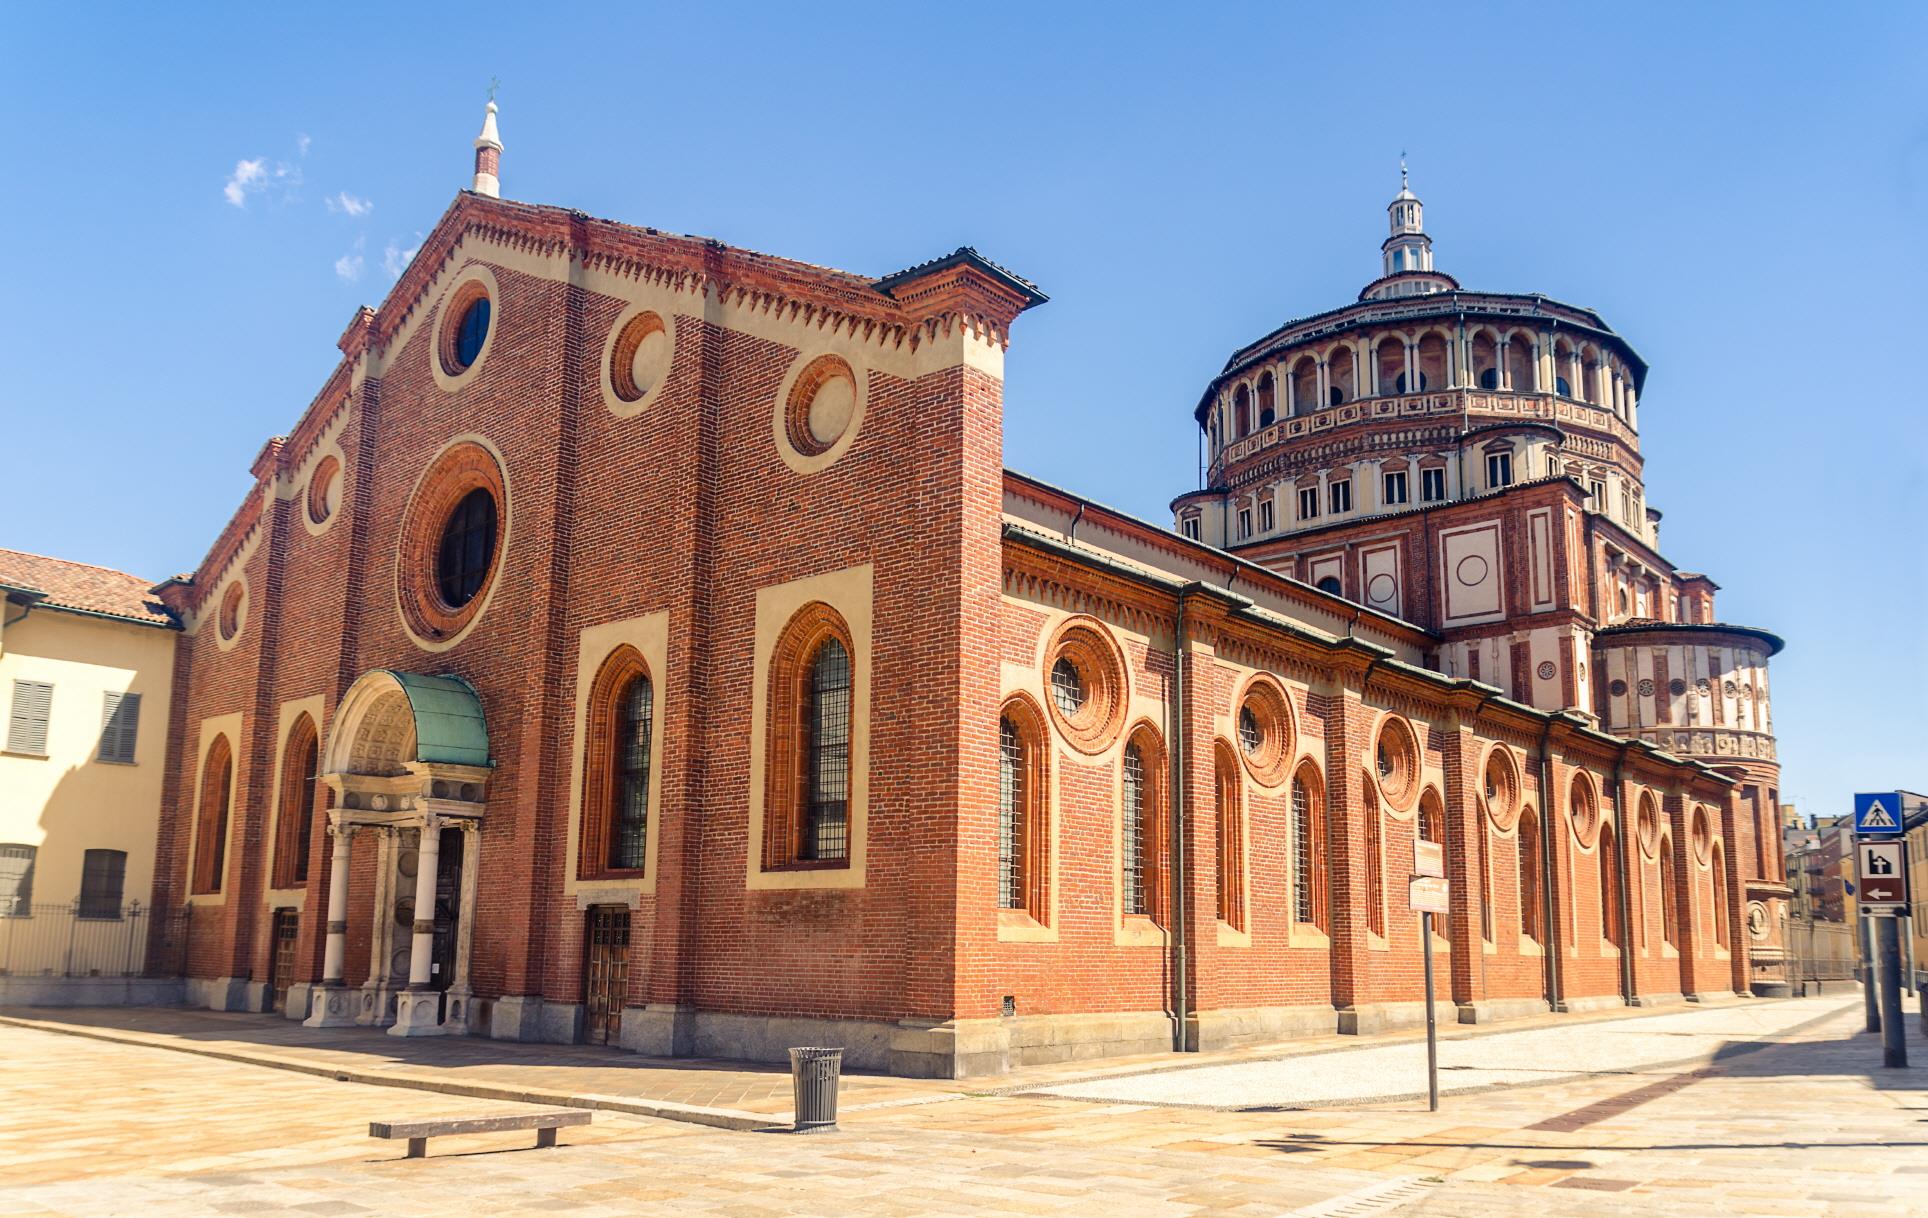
(1432, 485)
(1309, 503)
(1499, 470)
(1395, 487)
(1265, 516)
(1245, 522)
(1597, 495)
(1190, 527)
(1341, 496)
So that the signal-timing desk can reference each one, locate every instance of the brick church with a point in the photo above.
(639, 640)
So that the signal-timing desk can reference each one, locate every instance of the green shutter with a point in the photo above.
(27, 727)
(120, 721)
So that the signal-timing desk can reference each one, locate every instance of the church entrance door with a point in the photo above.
(605, 973)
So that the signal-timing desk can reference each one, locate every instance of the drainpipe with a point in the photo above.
(1176, 851)
(1552, 945)
(1628, 845)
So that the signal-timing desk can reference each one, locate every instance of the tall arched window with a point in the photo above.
(620, 742)
(1268, 400)
(1142, 832)
(211, 820)
(1231, 847)
(1609, 887)
(1375, 858)
(1521, 367)
(295, 811)
(1718, 862)
(807, 765)
(1431, 827)
(1305, 386)
(1242, 411)
(1485, 844)
(1010, 815)
(1669, 906)
(1021, 829)
(1308, 848)
(1529, 847)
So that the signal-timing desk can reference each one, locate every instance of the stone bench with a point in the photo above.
(419, 1132)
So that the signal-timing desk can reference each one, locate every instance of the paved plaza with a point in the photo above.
(1749, 1108)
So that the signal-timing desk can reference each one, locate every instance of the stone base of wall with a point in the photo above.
(1658, 1000)
(300, 998)
(1713, 996)
(92, 992)
(1369, 1018)
(531, 1018)
(1592, 1002)
(226, 993)
(1257, 1025)
(1773, 989)
(1492, 1010)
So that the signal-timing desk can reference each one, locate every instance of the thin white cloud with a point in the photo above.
(248, 176)
(395, 259)
(348, 267)
(301, 143)
(348, 205)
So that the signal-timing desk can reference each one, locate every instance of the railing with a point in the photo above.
(1819, 950)
(75, 940)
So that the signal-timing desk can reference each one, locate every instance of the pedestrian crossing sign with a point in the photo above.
(1878, 813)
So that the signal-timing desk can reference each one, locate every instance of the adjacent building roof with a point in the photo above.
(78, 587)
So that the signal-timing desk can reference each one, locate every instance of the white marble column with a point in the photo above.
(418, 1008)
(328, 1004)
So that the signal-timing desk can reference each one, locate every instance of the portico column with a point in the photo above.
(334, 964)
(427, 868)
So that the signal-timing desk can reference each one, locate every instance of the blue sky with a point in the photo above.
(199, 199)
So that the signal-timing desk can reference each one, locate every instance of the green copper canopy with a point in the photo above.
(448, 719)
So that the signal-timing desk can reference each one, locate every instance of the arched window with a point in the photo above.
(1485, 844)
(1485, 361)
(1719, 864)
(1669, 906)
(1529, 847)
(1389, 361)
(1231, 847)
(1342, 375)
(1432, 362)
(211, 820)
(1305, 386)
(807, 797)
(1241, 412)
(1609, 887)
(1021, 860)
(1268, 403)
(295, 805)
(1141, 876)
(1375, 860)
(619, 752)
(1521, 373)
(1308, 848)
(1431, 827)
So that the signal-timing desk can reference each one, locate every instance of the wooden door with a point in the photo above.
(605, 973)
(283, 967)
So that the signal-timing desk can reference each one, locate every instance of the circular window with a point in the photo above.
(1647, 826)
(464, 328)
(1617, 688)
(233, 605)
(1396, 761)
(1676, 687)
(1086, 676)
(323, 488)
(822, 402)
(1265, 734)
(1584, 807)
(453, 535)
(1502, 787)
(1703, 833)
(640, 356)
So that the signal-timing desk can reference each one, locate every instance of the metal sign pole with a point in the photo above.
(1869, 998)
(1894, 1037)
(1432, 1039)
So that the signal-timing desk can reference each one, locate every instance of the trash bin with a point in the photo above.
(815, 1073)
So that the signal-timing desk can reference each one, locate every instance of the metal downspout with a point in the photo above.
(1176, 852)
(1552, 932)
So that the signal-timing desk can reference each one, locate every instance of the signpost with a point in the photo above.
(1429, 895)
(1881, 881)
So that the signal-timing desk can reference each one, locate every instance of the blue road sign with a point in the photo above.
(1879, 813)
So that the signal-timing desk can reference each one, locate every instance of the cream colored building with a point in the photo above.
(86, 666)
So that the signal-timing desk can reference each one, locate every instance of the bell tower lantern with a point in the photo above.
(1406, 256)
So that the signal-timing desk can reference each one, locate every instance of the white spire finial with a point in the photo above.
(1402, 169)
(488, 152)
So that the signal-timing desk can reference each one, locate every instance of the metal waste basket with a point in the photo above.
(815, 1073)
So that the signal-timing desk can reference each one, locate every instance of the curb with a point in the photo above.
(716, 1118)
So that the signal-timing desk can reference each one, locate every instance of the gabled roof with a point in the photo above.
(78, 587)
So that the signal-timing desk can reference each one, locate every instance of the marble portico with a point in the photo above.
(408, 762)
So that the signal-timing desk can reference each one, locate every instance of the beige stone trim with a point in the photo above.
(504, 533)
(849, 593)
(473, 272)
(649, 635)
(212, 611)
(295, 487)
(958, 347)
(313, 707)
(229, 726)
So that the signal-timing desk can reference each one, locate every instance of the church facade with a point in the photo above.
(640, 641)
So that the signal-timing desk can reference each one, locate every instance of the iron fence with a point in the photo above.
(78, 939)
(1820, 950)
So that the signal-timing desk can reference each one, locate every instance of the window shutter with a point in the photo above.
(27, 728)
(120, 721)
